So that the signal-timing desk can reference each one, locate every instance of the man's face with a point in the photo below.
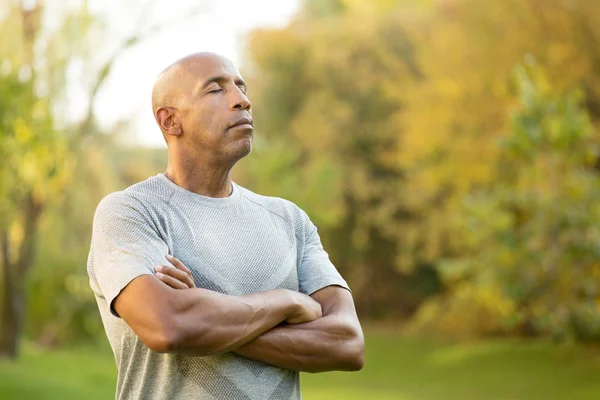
(215, 112)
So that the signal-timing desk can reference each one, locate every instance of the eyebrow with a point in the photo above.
(223, 79)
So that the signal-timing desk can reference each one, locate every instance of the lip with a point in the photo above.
(246, 123)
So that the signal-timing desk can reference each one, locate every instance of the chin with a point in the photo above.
(248, 149)
(244, 149)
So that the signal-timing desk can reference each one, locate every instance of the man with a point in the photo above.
(265, 301)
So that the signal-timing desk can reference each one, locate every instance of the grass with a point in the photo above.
(396, 368)
(408, 369)
(60, 374)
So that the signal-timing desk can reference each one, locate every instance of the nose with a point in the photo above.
(240, 101)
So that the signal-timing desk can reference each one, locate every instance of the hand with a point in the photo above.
(306, 309)
(178, 276)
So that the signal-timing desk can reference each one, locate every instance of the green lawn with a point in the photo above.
(396, 368)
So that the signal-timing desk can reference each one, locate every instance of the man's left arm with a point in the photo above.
(333, 342)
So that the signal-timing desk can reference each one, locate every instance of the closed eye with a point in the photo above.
(217, 90)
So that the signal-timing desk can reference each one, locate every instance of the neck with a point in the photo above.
(206, 179)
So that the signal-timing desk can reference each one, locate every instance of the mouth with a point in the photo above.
(245, 123)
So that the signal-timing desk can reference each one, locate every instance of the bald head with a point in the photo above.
(180, 77)
(200, 103)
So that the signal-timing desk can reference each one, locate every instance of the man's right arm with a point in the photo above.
(202, 322)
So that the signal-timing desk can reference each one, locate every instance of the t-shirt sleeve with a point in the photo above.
(316, 271)
(125, 245)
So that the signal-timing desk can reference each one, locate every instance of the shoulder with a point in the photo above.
(136, 199)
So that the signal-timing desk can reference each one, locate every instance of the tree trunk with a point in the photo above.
(13, 302)
(12, 311)
(9, 328)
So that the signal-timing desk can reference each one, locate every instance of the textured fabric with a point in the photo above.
(242, 244)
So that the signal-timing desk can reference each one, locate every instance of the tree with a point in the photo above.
(466, 50)
(381, 118)
(35, 168)
(531, 240)
(40, 156)
(328, 92)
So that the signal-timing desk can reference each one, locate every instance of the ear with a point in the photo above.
(168, 121)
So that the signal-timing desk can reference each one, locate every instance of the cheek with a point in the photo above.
(208, 115)
(197, 121)
(206, 120)
(206, 129)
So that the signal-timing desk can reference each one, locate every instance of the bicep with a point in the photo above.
(142, 301)
(144, 304)
(336, 300)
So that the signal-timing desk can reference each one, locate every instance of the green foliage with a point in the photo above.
(532, 237)
(35, 157)
(387, 122)
(327, 98)
(52, 179)
(61, 308)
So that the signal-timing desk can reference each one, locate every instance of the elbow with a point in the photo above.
(163, 342)
(172, 335)
(352, 350)
(163, 338)
(356, 363)
(162, 333)
(354, 359)
(350, 357)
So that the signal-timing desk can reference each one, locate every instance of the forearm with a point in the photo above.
(219, 323)
(329, 343)
(202, 322)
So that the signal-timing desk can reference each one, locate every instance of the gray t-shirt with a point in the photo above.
(242, 244)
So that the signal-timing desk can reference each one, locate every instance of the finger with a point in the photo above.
(172, 282)
(175, 273)
(178, 264)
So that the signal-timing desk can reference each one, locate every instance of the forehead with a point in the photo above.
(206, 67)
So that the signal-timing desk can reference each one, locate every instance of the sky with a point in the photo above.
(220, 26)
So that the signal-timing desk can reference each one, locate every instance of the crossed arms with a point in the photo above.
(280, 327)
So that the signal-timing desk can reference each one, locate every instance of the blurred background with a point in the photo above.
(447, 150)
